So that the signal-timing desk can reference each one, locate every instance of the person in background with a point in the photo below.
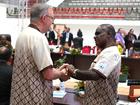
(59, 36)
(47, 35)
(65, 29)
(120, 40)
(53, 36)
(33, 66)
(129, 39)
(78, 41)
(6, 37)
(67, 38)
(5, 72)
(102, 76)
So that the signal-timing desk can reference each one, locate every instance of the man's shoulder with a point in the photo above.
(111, 50)
(51, 32)
(71, 34)
(118, 35)
(77, 38)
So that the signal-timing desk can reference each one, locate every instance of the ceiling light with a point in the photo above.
(54, 3)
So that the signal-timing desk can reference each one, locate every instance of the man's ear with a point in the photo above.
(43, 19)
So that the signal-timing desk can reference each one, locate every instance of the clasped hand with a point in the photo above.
(67, 71)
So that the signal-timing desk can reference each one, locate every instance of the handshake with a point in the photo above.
(66, 71)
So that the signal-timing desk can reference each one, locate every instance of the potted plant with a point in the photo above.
(60, 62)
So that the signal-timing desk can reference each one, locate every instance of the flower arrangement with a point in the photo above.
(75, 51)
(80, 88)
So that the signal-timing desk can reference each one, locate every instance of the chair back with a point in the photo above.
(86, 50)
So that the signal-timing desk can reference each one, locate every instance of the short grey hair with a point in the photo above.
(107, 28)
(39, 10)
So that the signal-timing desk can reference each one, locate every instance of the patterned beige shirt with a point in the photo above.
(31, 56)
(104, 91)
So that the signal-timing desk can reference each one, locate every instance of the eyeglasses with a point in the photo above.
(99, 35)
(51, 17)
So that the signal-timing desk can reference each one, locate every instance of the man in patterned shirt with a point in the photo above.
(102, 76)
(33, 70)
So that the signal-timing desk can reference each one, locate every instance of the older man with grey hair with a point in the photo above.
(33, 66)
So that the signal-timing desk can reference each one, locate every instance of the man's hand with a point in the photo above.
(64, 66)
(64, 72)
(71, 70)
(64, 75)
